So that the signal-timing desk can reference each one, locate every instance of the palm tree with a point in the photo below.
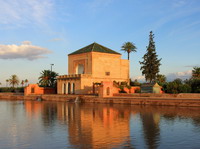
(26, 81)
(14, 80)
(47, 78)
(129, 47)
(7, 80)
(196, 73)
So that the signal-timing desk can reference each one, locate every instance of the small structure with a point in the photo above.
(106, 89)
(34, 89)
(151, 88)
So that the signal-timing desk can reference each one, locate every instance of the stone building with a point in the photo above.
(89, 66)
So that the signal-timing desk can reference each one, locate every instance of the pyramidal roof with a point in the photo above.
(94, 47)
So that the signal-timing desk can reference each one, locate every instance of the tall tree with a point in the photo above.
(150, 63)
(129, 47)
(196, 73)
(47, 78)
(14, 80)
(7, 80)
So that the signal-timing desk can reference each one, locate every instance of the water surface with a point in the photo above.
(38, 125)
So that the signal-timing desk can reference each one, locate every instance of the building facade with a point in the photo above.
(89, 66)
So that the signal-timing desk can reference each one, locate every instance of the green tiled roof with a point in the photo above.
(94, 47)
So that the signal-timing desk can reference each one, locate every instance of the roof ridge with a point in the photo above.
(93, 46)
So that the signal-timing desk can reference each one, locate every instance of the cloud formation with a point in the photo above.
(170, 77)
(20, 12)
(24, 51)
(182, 75)
(138, 78)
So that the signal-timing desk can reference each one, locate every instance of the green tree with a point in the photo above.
(14, 80)
(129, 47)
(195, 85)
(160, 79)
(151, 63)
(196, 73)
(48, 78)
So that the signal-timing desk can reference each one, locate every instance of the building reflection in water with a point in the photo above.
(92, 126)
(107, 126)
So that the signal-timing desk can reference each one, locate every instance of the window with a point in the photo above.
(107, 73)
(108, 91)
(32, 90)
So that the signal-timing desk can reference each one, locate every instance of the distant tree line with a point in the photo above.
(12, 84)
(191, 85)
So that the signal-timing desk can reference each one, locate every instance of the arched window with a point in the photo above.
(73, 89)
(69, 88)
(108, 91)
(64, 88)
(80, 69)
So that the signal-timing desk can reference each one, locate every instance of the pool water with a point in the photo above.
(56, 125)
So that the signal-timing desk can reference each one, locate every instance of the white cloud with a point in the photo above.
(24, 51)
(20, 12)
(182, 75)
(138, 78)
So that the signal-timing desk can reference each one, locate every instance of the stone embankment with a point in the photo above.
(134, 99)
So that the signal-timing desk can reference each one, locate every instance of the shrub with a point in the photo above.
(121, 87)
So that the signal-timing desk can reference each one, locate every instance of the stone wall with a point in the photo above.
(171, 100)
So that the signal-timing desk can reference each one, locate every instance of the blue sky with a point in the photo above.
(35, 33)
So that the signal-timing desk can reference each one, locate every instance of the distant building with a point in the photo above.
(89, 66)
(151, 88)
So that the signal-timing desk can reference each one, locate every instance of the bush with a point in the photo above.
(172, 88)
(185, 88)
(121, 87)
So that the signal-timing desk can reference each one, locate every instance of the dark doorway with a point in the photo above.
(69, 88)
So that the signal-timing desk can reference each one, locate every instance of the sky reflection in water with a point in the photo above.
(67, 125)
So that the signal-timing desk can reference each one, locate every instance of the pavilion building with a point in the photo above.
(88, 67)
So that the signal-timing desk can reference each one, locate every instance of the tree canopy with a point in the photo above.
(129, 47)
(196, 73)
(150, 63)
(14, 80)
(47, 78)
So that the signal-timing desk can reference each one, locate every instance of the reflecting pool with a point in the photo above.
(55, 125)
